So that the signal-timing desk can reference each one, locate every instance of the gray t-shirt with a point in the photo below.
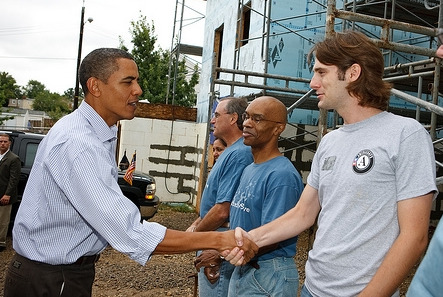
(361, 171)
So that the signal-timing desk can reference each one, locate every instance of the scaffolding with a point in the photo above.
(420, 77)
(421, 17)
(178, 49)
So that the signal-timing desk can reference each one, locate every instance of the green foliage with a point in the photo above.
(34, 88)
(8, 88)
(178, 207)
(69, 93)
(184, 88)
(53, 104)
(151, 62)
(153, 66)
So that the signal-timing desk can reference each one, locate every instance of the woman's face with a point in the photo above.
(217, 149)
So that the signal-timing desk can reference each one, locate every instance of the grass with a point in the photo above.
(179, 207)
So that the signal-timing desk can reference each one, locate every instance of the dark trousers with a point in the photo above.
(29, 278)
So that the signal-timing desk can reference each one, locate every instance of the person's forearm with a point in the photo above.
(291, 224)
(413, 220)
(209, 225)
(176, 242)
(400, 259)
(215, 218)
(193, 225)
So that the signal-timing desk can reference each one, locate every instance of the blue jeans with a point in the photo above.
(305, 292)
(220, 287)
(277, 277)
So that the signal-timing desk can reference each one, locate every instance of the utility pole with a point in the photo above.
(80, 43)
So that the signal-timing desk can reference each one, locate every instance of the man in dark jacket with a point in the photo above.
(9, 176)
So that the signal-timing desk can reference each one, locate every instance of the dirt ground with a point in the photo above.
(169, 275)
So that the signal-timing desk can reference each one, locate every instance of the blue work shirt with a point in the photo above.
(267, 191)
(225, 175)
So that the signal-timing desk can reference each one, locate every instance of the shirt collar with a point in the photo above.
(2, 155)
(103, 131)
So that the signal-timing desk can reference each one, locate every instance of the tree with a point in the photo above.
(184, 87)
(53, 104)
(69, 93)
(34, 88)
(8, 88)
(153, 64)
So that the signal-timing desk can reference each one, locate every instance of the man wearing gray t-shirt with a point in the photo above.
(371, 183)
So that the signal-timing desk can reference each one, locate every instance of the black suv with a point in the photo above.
(141, 193)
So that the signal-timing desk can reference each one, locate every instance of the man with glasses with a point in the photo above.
(9, 177)
(214, 274)
(268, 188)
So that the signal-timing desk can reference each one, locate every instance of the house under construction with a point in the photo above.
(257, 47)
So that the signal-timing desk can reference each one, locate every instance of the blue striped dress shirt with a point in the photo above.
(72, 205)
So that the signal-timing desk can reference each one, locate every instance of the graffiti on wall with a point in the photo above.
(177, 158)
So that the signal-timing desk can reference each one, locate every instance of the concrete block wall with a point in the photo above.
(170, 151)
(174, 158)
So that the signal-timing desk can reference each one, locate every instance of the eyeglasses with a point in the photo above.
(256, 118)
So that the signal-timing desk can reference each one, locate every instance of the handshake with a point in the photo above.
(240, 252)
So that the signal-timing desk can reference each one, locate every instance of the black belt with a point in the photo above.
(85, 260)
(254, 263)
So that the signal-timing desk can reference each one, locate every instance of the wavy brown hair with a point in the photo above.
(351, 47)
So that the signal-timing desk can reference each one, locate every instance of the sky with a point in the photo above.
(39, 39)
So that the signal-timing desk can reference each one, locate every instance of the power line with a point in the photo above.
(36, 58)
(16, 31)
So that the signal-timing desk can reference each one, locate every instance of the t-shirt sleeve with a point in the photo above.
(415, 165)
(230, 175)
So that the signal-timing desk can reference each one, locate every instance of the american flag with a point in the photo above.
(130, 171)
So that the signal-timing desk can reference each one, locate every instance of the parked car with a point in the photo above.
(141, 193)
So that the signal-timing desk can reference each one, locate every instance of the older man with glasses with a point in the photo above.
(214, 274)
(268, 188)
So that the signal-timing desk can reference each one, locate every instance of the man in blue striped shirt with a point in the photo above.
(72, 207)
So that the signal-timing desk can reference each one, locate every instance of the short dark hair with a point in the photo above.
(343, 50)
(7, 135)
(100, 63)
(238, 106)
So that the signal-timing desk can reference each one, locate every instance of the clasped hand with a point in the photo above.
(211, 261)
(238, 255)
(238, 244)
(244, 249)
